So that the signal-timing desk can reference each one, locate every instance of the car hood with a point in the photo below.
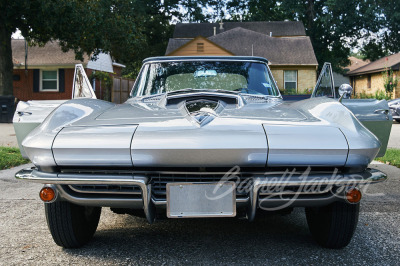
(139, 112)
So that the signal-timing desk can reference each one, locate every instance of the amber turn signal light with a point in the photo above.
(47, 194)
(353, 195)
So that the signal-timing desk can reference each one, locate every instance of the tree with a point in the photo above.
(333, 25)
(85, 26)
(373, 51)
(387, 39)
(156, 17)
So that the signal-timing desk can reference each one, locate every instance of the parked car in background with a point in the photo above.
(204, 137)
(394, 106)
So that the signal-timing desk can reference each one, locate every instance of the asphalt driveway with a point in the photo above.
(394, 140)
(271, 239)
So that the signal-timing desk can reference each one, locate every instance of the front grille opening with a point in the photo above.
(290, 192)
(159, 182)
(125, 189)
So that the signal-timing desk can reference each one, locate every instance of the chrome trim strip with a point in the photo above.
(204, 59)
(103, 201)
(366, 177)
(94, 191)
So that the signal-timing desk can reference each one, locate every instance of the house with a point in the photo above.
(46, 73)
(355, 63)
(284, 43)
(368, 78)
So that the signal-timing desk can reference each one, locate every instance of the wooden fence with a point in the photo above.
(121, 89)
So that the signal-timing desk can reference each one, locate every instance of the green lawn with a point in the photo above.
(10, 157)
(392, 157)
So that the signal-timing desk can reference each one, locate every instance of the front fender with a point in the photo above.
(38, 143)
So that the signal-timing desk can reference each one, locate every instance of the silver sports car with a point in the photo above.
(203, 137)
(394, 106)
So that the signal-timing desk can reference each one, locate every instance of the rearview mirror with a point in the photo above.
(345, 91)
(205, 73)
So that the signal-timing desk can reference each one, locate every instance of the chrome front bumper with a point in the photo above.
(256, 197)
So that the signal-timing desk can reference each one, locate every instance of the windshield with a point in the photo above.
(240, 77)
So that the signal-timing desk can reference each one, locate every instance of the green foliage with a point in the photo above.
(308, 91)
(357, 55)
(288, 92)
(373, 51)
(389, 37)
(10, 157)
(391, 157)
(106, 82)
(294, 92)
(389, 81)
(379, 95)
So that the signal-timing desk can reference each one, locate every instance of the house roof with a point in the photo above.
(174, 44)
(392, 61)
(278, 28)
(48, 55)
(278, 51)
(356, 63)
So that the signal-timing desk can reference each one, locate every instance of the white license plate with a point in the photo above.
(187, 200)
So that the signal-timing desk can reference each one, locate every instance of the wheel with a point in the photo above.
(71, 225)
(333, 226)
(397, 120)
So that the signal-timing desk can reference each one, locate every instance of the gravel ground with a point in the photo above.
(271, 239)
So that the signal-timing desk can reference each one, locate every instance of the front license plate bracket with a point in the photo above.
(196, 200)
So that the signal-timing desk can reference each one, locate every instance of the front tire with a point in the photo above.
(397, 120)
(71, 226)
(333, 226)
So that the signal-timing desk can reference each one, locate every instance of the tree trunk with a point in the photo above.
(310, 14)
(6, 63)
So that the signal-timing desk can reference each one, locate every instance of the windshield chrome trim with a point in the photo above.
(208, 58)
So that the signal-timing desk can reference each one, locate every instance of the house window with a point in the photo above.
(369, 81)
(200, 47)
(49, 80)
(290, 79)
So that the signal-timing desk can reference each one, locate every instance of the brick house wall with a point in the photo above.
(117, 71)
(306, 76)
(24, 88)
(361, 85)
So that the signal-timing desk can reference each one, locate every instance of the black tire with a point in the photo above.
(333, 226)
(71, 226)
(397, 120)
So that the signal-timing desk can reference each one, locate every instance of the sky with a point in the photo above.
(17, 35)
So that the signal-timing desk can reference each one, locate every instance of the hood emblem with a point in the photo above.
(203, 111)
